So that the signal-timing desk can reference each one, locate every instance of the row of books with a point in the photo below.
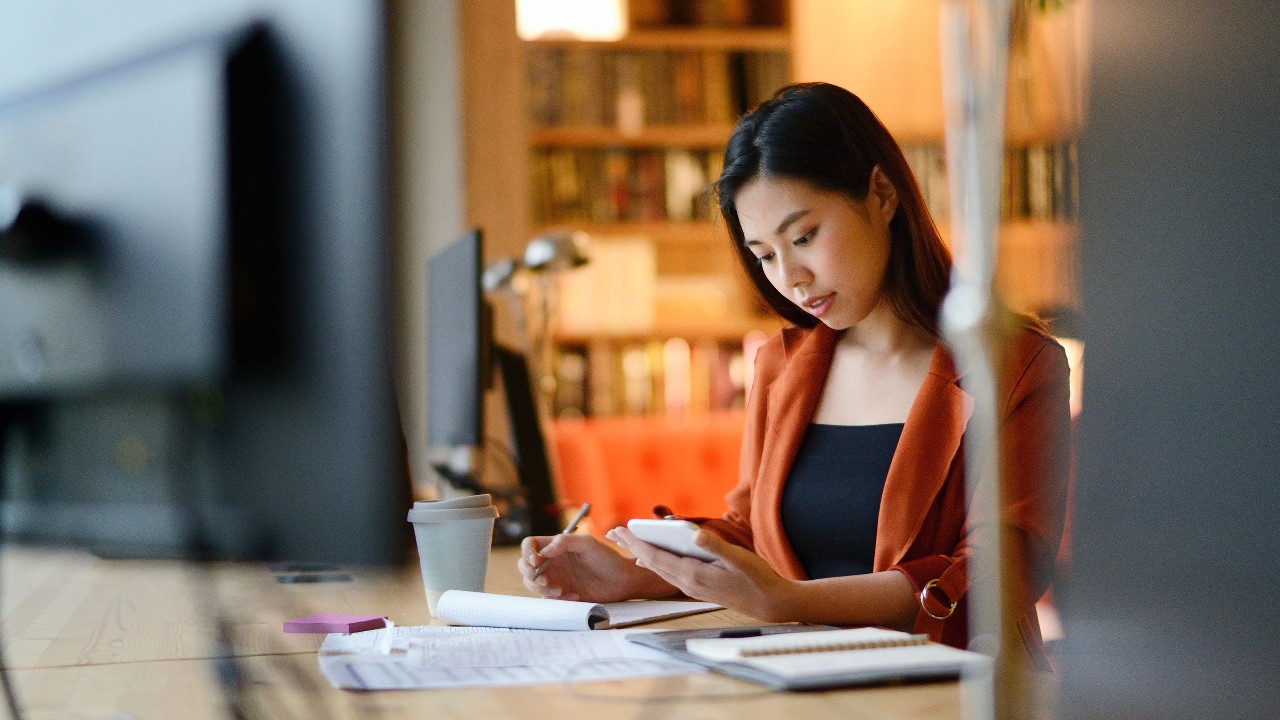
(706, 13)
(630, 89)
(671, 376)
(619, 185)
(622, 185)
(1039, 182)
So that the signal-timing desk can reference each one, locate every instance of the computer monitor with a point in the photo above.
(194, 350)
(458, 339)
(462, 363)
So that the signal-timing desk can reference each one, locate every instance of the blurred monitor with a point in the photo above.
(463, 362)
(194, 351)
(458, 340)
(1167, 608)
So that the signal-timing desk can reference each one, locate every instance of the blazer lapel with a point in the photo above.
(793, 398)
(929, 444)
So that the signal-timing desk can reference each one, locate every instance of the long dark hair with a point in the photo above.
(826, 135)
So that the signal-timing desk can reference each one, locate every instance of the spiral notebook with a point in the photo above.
(805, 659)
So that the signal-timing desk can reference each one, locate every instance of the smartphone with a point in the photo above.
(674, 536)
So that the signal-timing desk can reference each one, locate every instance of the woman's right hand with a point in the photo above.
(581, 567)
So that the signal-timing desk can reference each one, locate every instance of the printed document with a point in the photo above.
(420, 657)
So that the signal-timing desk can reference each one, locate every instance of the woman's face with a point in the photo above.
(822, 250)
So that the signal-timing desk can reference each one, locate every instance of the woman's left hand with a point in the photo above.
(739, 579)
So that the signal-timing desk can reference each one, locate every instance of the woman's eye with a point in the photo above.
(762, 259)
(804, 239)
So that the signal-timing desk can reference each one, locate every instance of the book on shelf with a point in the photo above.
(717, 91)
(582, 85)
(688, 92)
(604, 379)
(929, 165)
(544, 73)
(764, 74)
(1039, 182)
(570, 398)
(686, 180)
(618, 169)
(657, 84)
(637, 381)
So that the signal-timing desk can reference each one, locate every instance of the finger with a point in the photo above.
(731, 554)
(528, 570)
(556, 546)
(677, 570)
(625, 539)
(532, 586)
(531, 549)
(528, 545)
(538, 586)
(648, 554)
(614, 537)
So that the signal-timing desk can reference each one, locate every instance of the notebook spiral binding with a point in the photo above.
(780, 649)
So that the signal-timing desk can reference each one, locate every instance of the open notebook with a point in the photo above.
(463, 607)
(796, 658)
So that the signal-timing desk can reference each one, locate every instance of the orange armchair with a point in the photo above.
(624, 466)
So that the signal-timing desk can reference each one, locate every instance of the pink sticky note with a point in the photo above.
(334, 623)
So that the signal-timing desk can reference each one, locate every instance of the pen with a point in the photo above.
(568, 530)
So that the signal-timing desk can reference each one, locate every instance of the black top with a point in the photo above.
(831, 501)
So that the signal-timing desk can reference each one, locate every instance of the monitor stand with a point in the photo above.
(528, 442)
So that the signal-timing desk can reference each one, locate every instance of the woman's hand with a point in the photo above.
(739, 579)
(580, 567)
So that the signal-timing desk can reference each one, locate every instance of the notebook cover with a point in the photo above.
(672, 643)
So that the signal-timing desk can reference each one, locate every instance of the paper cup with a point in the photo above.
(453, 548)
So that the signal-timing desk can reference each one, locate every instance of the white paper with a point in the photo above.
(462, 607)
(452, 657)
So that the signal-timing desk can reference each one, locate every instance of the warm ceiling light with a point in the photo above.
(571, 19)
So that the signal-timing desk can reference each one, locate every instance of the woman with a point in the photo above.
(851, 508)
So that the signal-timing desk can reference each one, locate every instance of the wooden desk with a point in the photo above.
(98, 639)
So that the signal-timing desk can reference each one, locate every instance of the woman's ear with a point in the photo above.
(882, 192)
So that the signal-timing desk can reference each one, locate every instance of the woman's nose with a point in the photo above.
(793, 274)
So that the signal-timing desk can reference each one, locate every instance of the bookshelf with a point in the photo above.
(624, 138)
(848, 42)
(621, 139)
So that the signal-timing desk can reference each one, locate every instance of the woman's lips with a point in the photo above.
(819, 306)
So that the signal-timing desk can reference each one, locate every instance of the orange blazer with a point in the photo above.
(923, 529)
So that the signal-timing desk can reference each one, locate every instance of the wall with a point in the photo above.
(427, 187)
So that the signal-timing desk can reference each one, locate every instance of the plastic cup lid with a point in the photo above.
(423, 515)
(457, 502)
